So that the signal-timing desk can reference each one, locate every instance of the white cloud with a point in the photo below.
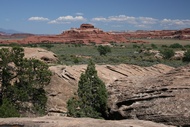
(66, 19)
(144, 22)
(148, 20)
(79, 13)
(175, 22)
(127, 19)
(99, 19)
(38, 19)
(117, 26)
(120, 18)
(56, 22)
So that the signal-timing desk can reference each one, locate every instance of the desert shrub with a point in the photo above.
(186, 46)
(143, 46)
(176, 45)
(103, 50)
(186, 57)
(136, 46)
(167, 53)
(30, 45)
(92, 96)
(164, 46)
(154, 46)
(112, 43)
(47, 45)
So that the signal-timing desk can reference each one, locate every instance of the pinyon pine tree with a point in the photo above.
(92, 96)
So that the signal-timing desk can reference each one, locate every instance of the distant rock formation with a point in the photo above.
(160, 34)
(86, 26)
(86, 34)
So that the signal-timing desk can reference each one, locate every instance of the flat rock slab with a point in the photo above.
(74, 122)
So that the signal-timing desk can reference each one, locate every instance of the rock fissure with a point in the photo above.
(112, 69)
(133, 100)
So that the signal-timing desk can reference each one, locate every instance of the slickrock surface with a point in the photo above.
(158, 93)
(74, 122)
(40, 54)
(65, 78)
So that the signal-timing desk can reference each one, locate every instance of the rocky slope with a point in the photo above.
(158, 93)
(65, 79)
(164, 98)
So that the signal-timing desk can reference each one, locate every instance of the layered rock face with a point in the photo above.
(163, 98)
(64, 81)
(158, 93)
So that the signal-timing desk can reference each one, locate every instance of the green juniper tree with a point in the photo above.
(92, 96)
(22, 82)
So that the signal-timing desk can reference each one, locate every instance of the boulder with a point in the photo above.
(40, 54)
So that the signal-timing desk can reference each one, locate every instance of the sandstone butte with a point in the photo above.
(87, 33)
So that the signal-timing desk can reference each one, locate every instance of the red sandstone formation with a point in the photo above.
(87, 33)
(160, 34)
(13, 38)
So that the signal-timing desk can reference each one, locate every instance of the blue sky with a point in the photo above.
(54, 16)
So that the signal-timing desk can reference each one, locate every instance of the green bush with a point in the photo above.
(136, 46)
(103, 50)
(167, 53)
(186, 46)
(186, 57)
(164, 46)
(176, 45)
(154, 46)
